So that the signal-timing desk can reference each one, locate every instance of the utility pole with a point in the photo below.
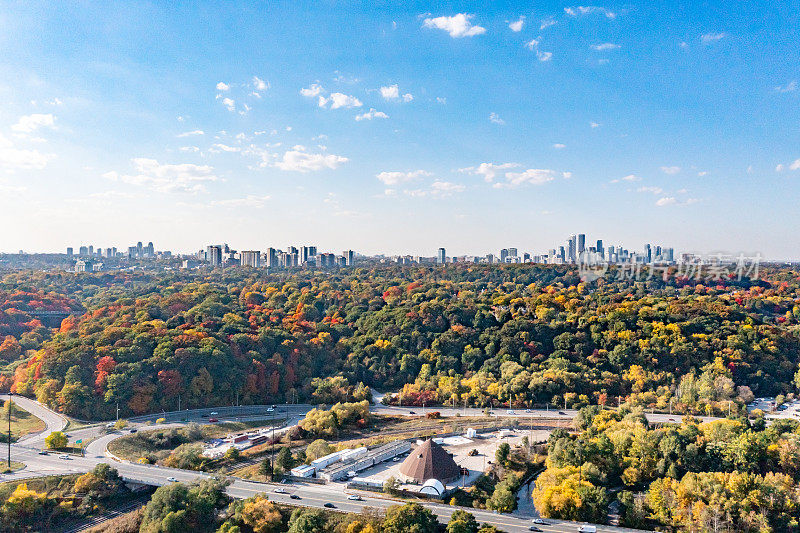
(10, 404)
(179, 403)
(117, 411)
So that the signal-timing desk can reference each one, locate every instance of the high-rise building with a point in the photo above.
(69, 252)
(441, 256)
(149, 250)
(350, 257)
(572, 247)
(512, 252)
(83, 251)
(109, 252)
(600, 251)
(648, 254)
(91, 250)
(251, 258)
(271, 257)
(139, 250)
(215, 255)
(581, 243)
(503, 255)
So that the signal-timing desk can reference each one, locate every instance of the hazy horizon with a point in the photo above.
(399, 129)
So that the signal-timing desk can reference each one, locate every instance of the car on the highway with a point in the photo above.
(354, 497)
(329, 505)
(511, 412)
(110, 425)
(65, 457)
(562, 413)
(204, 415)
(213, 420)
(540, 521)
(294, 496)
(134, 430)
(534, 528)
(172, 480)
(528, 411)
(280, 490)
(213, 413)
(412, 413)
(587, 529)
(270, 409)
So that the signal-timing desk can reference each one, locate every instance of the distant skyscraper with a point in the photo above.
(69, 252)
(600, 251)
(581, 246)
(215, 255)
(83, 251)
(271, 257)
(512, 252)
(91, 250)
(251, 258)
(572, 246)
(503, 255)
(139, 250)
(648, 253)
(441, 256)
(350, 257)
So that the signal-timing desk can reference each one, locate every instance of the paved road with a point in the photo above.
(310, 495)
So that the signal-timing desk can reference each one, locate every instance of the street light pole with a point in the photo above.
(9, 432)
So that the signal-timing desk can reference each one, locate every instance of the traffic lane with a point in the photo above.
(53, 421)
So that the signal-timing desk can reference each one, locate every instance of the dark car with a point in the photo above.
(534, 528)
(134, 430)
(294, 496)
(213, 420)
(329, 505)
(43, 452)
(204, 416)
(412, 413)
(562, 413)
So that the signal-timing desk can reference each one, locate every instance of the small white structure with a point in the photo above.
(471, 433)
(303, 471)
(352, 455)
(505, 433)
(432, 487)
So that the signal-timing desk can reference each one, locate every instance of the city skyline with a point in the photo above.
(409, 128)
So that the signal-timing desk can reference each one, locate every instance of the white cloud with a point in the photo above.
(666, 200)
(684, 45)
(459, 25)
(708, 38)
(219, 147)
(259, 84)
(495, 118)
(372, 113)
(189, 149)
(446, 188)
(407, 97)
(779, 167)
(441, 100)
(15, 159)
(229, 104)
(533, 44)
(602, 47)
(394, 177)
(298, 160)
(339, 100)
(313, 90)
(252, 201)
(788, 88)
(546, 23)
(517, 24)
(594, 125)
(588, 10)
(31, 123)
(654, 190)
(531, 176)
(630, 177)
(559, 146)
(795, 165)
(390, 92)
(488, 170)
(702, 173)
(183, 177)
(191, 133)
(222, 86)
(670, 170)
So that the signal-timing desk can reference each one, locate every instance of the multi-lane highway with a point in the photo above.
(309, 495)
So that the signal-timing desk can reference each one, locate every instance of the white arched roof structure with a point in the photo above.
(432, 487)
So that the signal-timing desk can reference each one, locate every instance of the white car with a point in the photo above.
(511, 412)
(354, 497)
(280, 490)
(587, 529)
(213, 413)
(172, 480)
(270, 409)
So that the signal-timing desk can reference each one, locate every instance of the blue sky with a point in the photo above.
(400, 127)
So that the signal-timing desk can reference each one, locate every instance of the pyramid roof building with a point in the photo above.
(429, 461)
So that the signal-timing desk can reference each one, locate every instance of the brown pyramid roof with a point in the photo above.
(430, 461)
